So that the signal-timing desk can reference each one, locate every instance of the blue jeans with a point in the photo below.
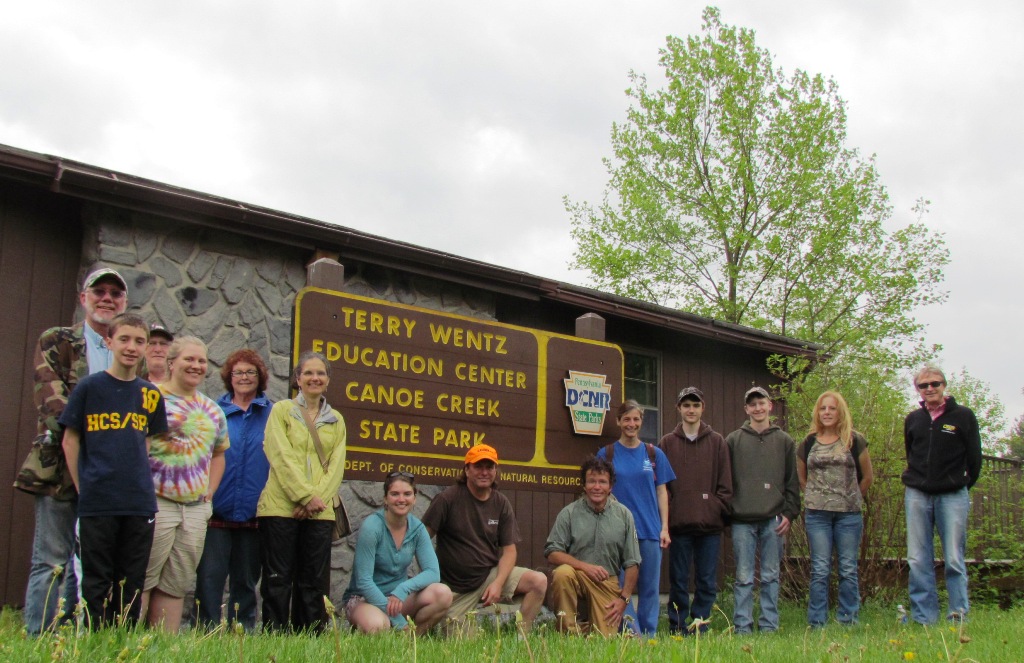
(828, 530)
(53, 546)
(747, 539)
(234, 552)
(946, 512)
(644, 619)
(702, 551)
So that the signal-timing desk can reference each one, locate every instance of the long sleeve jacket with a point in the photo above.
(764, 479)
(295, 471)
(945, 454)
(701, 494)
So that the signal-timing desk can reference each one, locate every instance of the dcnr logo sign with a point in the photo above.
(588, 396)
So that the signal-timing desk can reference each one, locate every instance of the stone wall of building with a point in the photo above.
(234, 291)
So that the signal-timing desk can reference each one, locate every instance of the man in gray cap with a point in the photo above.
(64, 356)
(156, 354)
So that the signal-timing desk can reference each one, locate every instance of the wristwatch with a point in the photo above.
(624, 598)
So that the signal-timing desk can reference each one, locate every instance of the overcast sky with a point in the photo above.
(461, 125)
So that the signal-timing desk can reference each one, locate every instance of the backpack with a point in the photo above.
(609, 453)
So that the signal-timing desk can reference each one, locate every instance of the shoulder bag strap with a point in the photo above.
(324, 462)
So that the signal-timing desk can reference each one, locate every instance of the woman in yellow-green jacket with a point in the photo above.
(296, 517)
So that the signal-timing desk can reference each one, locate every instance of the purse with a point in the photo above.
(43, 471)
(342, 526)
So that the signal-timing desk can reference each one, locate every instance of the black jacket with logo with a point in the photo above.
(943, 455)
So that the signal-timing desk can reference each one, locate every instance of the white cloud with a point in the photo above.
(476, 118)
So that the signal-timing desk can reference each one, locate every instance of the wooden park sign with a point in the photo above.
(418, 387)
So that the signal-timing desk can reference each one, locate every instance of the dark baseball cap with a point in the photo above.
(160, 330)
(693, 393)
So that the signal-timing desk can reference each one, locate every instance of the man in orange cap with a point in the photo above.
(476, 542)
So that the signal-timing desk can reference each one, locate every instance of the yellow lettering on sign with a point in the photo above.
(370, 357)
(472, 405)
(384, 395)
(453, 437)
(490, 375)
(467, 338)
(389, 432)
(377, 323)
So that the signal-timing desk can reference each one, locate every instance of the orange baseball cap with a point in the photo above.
(481, 452)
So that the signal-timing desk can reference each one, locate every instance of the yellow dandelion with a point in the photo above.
(909, 656)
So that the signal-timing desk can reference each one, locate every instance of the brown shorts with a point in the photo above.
(178, 540)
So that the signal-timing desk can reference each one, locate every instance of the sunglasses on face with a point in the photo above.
(935, 384)
(100, 293)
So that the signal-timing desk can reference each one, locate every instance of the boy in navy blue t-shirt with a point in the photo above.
(109, 419)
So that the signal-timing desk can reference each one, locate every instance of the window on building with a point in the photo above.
(642, 386)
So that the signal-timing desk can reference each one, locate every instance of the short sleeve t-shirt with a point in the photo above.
(635, 485)
(114, 418)
(470, 535)
(180, 458)
(832, 475)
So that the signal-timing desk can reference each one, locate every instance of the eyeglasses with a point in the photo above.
(100, 293)
(244, 374)
(402, 475)
(934, 384)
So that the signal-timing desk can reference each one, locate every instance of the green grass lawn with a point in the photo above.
(991, 635)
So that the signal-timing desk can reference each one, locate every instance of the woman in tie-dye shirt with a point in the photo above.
(187, 464)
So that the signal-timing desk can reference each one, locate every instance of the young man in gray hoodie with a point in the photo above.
(766, 500)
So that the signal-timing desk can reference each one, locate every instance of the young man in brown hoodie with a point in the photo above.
(699, 502)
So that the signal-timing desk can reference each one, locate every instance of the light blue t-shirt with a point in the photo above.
(96, 351)
(635, 485)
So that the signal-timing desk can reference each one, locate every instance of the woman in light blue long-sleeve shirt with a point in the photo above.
(381, 595)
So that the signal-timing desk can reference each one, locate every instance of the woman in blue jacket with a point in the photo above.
(381, 595)
(232, 540)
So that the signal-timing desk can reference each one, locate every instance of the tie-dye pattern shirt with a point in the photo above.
(180, 458)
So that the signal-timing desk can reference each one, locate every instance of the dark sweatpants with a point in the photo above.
(296, 572)
(115, 553)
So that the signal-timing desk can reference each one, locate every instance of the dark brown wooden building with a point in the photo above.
(229, 272)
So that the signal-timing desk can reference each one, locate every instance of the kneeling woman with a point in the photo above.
(381, 594)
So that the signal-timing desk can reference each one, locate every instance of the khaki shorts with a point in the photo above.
(178, 540)
(463, 603)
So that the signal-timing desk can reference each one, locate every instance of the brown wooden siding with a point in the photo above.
(40, 251)
(722, 371)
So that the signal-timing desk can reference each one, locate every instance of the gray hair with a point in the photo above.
(303, 358)
(927, 369)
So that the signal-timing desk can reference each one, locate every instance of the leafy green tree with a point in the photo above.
(988, 408)
(732, 194)
(1015, 442)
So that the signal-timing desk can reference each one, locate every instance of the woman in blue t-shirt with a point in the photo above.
(641, 472)
(381, 594)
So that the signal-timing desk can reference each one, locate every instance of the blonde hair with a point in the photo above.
(844, 425)
(177, 345)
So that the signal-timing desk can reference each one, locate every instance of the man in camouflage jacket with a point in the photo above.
(63, 356)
